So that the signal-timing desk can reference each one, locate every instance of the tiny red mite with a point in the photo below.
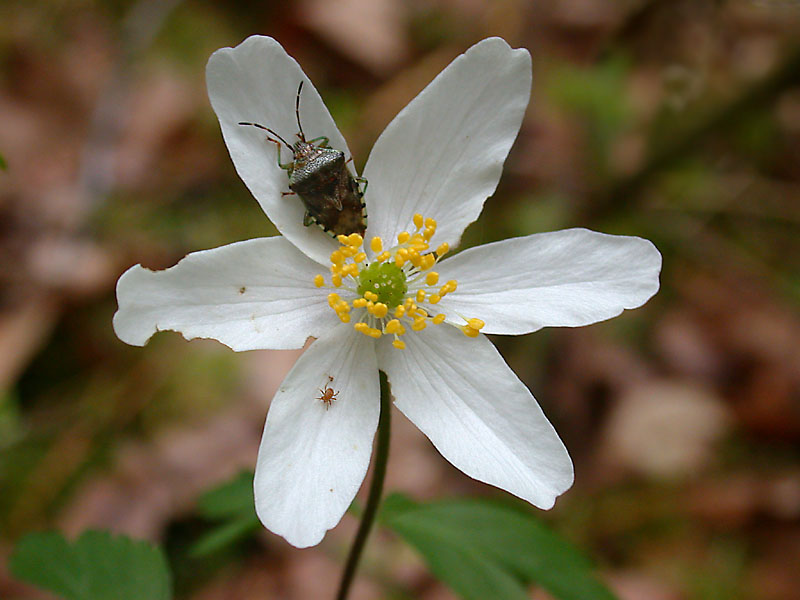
(327, 396)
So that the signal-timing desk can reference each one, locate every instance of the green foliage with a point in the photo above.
(97, 566)
(3, 163)
(483, 549)
(232, 504)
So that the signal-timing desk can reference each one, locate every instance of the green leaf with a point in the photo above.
(97, 566)
(483, 549)
(233, 504)
(232, 498)
(3, 164)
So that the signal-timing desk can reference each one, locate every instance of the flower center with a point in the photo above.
(397, 288)
(386, 280)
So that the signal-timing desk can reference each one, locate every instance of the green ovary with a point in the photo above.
(387, 280)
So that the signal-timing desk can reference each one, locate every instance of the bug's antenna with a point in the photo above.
(269, 130)
(297, 111)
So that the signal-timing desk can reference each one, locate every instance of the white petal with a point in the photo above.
(312, 460)
(563, 278)
(443, 154)
(248, 295)
(479, 415)
(257, 82)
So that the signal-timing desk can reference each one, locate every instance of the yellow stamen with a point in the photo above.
(418, 221)
(475, 323)
(380, 310)
(469, 331)
(392, 327)
(360, 257)
(439, 319)
(434, 299)
(333, 298)
(443, 249)
(336, 280)
(420, 295)
(403, 237)
(376, 244)
(399, 344)
(344, 317)
(399, 311)
(319, 280)
(371, 296)
(432, 278)
(355, 240)
(418, 324)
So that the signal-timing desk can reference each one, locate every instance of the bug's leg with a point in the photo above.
(361, 180)
(286, 167)
(308, 219)
(323, 144)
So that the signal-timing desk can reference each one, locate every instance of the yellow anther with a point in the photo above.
(392, 327)
(439, 319)
(443, 249)
(360, 257)
(355, 240)
(370, 306)
(361, 327)
(453, 284)
(376, 244)
(403, 237)
(469, 331)
(399, 260)
(421, 312)
(336, 280)
(348, 251)
(428, 261)
(399, 344)
(376, 333)
(420, 295)
(337, 257)
(430, 223)
(372, 296)
(333, 298)
(380, 310)
(319, 280)
(344, 317)
(428, 233)
(359, 303)
(402, 330)
(399, 311)
(444, 290)
(434, 299)
(418, 324)
(342, 306)
(418, 221)
(432, 278)
(416, 259)
(475, 323)
(341, 238)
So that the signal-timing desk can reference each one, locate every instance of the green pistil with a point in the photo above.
(387, 280)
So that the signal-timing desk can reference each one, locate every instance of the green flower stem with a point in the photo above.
(375, 489)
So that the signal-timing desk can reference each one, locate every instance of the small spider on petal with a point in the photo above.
(393, 300)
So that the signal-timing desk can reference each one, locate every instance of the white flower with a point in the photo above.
(440, 158)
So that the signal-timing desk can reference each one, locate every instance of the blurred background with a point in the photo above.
(677, 121)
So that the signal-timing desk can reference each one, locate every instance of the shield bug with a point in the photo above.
(318, 174)
(327, 396)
